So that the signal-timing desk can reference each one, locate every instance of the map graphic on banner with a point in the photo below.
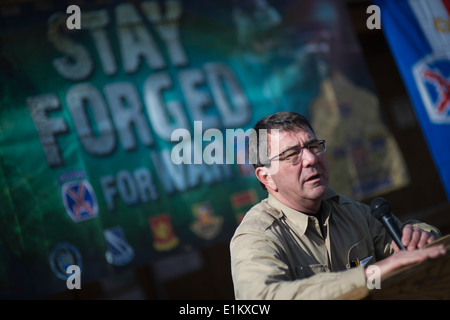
(87, 116)
(424, 62)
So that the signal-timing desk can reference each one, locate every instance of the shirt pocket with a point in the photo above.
(308, 271)
(361, 251)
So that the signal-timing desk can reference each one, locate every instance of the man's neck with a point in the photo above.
(307, 206)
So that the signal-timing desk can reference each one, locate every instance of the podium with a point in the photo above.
(427, 280)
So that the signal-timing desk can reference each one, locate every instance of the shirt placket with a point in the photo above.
(320, 242)
(326, 214)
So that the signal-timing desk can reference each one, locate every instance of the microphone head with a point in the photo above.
(380, 207)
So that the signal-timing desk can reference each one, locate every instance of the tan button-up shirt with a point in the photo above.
(280, 253)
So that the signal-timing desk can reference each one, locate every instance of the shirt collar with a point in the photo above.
(299, 218)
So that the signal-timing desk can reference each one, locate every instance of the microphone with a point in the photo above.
(381, 209)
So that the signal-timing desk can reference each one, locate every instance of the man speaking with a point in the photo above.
(304, 241)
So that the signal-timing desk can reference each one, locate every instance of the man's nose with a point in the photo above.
(308, 158)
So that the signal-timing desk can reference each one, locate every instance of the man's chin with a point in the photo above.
(318, 191)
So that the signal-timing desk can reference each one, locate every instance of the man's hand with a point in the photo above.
(403, 258)
(413, 238)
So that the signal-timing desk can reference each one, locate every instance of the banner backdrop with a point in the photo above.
(88, 116)
(419, 35)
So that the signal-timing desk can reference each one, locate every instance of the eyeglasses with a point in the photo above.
(293, 155)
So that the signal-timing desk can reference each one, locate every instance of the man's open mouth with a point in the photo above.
(313, 177)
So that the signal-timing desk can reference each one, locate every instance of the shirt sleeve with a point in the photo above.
(260, 271)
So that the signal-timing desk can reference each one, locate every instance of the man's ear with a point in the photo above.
(263, 175)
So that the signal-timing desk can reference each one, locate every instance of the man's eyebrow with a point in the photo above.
(296, 146)
(311, 141)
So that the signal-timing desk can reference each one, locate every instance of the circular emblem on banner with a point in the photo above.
(62, 256)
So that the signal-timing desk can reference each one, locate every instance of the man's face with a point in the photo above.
(300, 184)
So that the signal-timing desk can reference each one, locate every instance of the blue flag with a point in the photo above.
(419, 35)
